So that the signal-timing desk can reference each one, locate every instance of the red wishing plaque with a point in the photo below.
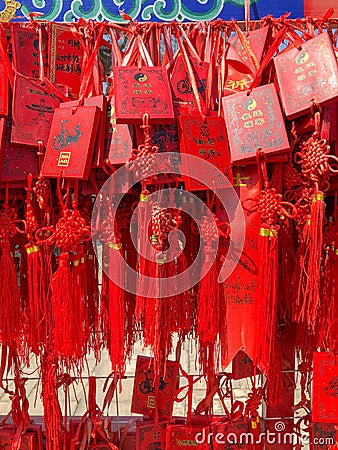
(206, 138)
(143, 401)
(101, 102)
(71, 142)
(150, 437)
(16, 160)
(254, 122)
(29, 440)
(33, 108)
(184, 99)
(25, 47)
(230, 435)
(257, 42)
(166, 138)
(65, 56)
(237, 81)
(118, 138)
(325, 388)
(142, 90)
(242, 366)
(307, 74)
(187, 436)
(3, 90)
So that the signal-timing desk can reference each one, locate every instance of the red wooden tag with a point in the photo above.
(25, 47)
(37, 429)
(33, 108)
(3, 90)
(229, 434)
(329, 130)
(142, 90)
(150, 437)
(257, 42)
(3, 131)
(143, 401)
(325, 388)
(166, 138)
(101, 102)
(65, 56)
(237, 81)
(186, 436)
(184, 100)
(118, 138)
(242, 366)
(307, 74)
(28, 439)
(16, 160)
(83, 434)
(254, 122)
(206, 138)
(71, 142)
(241, 287)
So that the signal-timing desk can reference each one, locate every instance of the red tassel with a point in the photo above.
(116, 309)
(267, 296)
(52, 412)
(210, 301)
(10, 313)
(92, 300)
(67, 312)
(312, 290)
(39, 300)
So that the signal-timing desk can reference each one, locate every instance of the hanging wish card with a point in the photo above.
(142, 90)
(256, 43)
(144, 398)
(3, 90)
(254, 121)
(71, 142)
(239, 74)
(184, 99)
(307, 74)
(65, 56)
(118, 138)
(16, 160)
(187, 436)
(205, 138)
(34, 104)
(325, 388)
(25, 48)
(166, 138)
(101, 102)
(150, 436)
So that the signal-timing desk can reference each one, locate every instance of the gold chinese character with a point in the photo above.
(246, 116)
(258, 113)
(301, 77)
(310, 64)
(260, 121)
(238, 180)
(248, 124)
(151, 402)
(312, 72)
(137, 91)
